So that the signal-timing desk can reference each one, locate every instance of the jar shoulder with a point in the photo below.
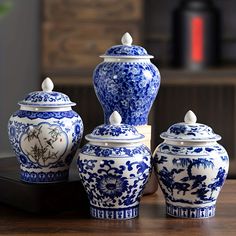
(195, 150)
(117, 151)
(44, 115)
(117, 66)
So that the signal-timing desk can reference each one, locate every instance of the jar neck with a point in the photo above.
(110, 144)
(138, 60)
(45, 109)
(192, 144)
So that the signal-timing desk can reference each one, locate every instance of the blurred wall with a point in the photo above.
(19, 60)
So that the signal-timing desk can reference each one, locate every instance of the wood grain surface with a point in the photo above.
(75, 33)
(90, 10)
(152, 221)
(70, 46)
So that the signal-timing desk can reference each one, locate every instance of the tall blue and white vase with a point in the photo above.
(114, 168)
(45, 134)
(191, 168)
(127, 81)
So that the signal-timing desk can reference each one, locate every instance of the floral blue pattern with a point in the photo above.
(125, 50)
(45, 115)
(129, 88)
(122, 132)
(112, 185)
(114, 152)
(41, 98)
(186, 132)
(114, 130)
(114, 178)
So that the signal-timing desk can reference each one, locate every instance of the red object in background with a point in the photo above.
(196, 35)
(197, 39)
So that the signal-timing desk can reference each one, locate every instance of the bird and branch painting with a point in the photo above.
(42, 141)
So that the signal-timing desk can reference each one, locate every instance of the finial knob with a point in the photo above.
(115, 118)
(126, 39)
(190, 118)
(47, 85)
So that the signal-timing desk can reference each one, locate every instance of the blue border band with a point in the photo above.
(114, 213)
(44, 177)
(190, 212)
(45, 114)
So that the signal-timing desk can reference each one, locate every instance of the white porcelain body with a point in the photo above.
(114, 176)
(191, 175)
(45, 141)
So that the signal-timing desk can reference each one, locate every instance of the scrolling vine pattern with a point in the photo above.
(117, 185)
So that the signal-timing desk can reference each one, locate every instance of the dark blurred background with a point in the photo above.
(63, 39)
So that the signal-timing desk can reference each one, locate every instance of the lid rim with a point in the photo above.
(115, 140)
(214, 138)
(127, 57)
(46, 97)
(46, 105)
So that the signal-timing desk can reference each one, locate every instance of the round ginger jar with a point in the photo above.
(114, 168)
(45, 134)
(191, 168)
(126, 81)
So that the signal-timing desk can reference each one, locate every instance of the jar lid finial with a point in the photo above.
(47, 85)
(115, 118)
(190, 117)
(126, 39)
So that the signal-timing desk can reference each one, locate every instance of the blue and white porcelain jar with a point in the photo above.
(127, 81)
(45, 134)
(191, 168)
(114, 168)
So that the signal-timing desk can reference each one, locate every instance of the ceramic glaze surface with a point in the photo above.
(129, 88)
(47, 97)
(120, 50)
(190, 131)
(115, 131)
(45, 143)
(114, 176)
(127, 85)
(40, 98)
(127, 49)
(191, 175)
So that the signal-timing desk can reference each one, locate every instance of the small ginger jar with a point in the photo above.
(45, 134)
(191, 167)
(114, 168)
(127, 81)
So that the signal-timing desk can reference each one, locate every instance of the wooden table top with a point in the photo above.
(152, 221)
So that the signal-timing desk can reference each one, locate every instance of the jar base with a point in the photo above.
(44, 177)
(114, 213)
(190, 212)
